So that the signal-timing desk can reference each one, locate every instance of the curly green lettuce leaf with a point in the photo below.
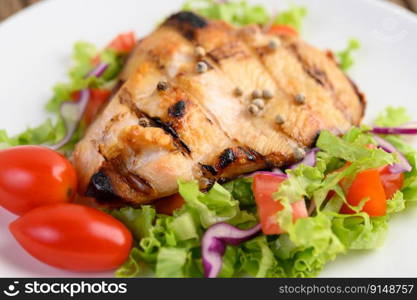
(355, 150)
(301, 182)
(183, 226)
(139, 221)
(131, 268)
(359, 231)
(217, 205)
(308, 246)
(82, 57)
(396, 204)
(392, 117)
(256, 258)
(157, 238)
(47, 133)
(234, 12)
(230, 258)
(241, 190)
(293, 17)
(345, 56)
(170, 262)
(242, 13)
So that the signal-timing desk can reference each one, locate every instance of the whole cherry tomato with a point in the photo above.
(73, 237)
(32, 176)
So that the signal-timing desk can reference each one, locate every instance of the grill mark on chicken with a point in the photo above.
(211, 118)
(226, 158)
(236, 158)
(359, 94)
(231, 50)
(251, 154)
(126, 99)
(314, 72)
(208, 168)
(167, 127)
(321, 77)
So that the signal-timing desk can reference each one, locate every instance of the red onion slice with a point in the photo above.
(98, 70)
(309, 160)
(403, 165)
(394, 130)
(214, 243)
(72, 113)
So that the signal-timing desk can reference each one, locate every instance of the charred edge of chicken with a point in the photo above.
(100, 187)
(187, 22)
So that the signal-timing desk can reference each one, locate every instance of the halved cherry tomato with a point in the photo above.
(391, 182)
(32, 176)
(169, 204)
(123, 43)
(282, 30)
(98, 97)
(264, 186)
(73, 237)
(367, 184)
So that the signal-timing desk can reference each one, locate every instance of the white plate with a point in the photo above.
(34, 54)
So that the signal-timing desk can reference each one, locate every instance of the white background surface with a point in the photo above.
(34, 54)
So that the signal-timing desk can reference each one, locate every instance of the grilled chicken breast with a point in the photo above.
(183, 110)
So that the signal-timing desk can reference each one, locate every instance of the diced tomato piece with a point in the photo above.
(169, 204)
(391, 182)
(264, 186)
(123, 43)
(367, 184)
(283, 30)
